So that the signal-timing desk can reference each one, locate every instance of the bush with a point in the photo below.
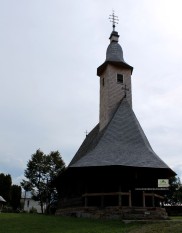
(7, 209)
(33, 210)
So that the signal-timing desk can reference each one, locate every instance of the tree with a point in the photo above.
(56, 165)
(15, 196)
(174, 195)
(41, 170)
(35, 173)
(11, 193)
(5, 186)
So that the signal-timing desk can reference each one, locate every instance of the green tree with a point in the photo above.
(15, 196)
(174, 195)
(56, 165)
(36, 175)
(40, 172)
(5, 186)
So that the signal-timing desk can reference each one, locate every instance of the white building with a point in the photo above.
(29, 204)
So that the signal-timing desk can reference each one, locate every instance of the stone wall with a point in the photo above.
(120, 213)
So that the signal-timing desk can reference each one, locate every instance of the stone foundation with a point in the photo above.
(120, 213)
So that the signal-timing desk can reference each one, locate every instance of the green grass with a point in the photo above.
(30, 223)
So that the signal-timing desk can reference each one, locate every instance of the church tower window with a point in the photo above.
(120, 78)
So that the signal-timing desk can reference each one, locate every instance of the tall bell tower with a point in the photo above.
(115, 78)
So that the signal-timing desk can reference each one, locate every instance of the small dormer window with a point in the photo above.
(120, 78)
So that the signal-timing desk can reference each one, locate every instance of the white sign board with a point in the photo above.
(163, 183)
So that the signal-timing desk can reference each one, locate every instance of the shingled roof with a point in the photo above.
(121, 142)
(2, 199)
(114, 55)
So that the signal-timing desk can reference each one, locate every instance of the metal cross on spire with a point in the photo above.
(114, 19)
(86, 133)
(125, 90)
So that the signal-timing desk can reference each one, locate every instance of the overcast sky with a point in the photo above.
(49, 53)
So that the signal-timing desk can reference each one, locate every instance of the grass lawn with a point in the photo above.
(32, 223)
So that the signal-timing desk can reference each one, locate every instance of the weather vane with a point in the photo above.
(114, 19)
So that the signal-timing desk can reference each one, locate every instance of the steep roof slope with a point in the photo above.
(2, 199)
(122, 142)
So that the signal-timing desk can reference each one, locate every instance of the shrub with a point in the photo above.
(33, 210)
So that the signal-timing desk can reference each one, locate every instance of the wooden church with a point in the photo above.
(115, 172)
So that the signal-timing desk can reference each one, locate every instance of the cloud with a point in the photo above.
(49, 89)
(178, 169)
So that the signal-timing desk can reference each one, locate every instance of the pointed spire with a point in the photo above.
(114, 51)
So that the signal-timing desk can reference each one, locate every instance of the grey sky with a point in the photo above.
(49, 53)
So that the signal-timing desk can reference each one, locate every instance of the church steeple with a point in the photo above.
(115, 78)
(114, 51)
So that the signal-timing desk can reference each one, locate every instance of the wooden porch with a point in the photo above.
(102, 195)
(120, 195)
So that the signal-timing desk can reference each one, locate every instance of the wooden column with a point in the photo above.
(86, 198)
(130, 204)
(102, 201)
(153, 200)
(120, 200)
(86, 201)
(143, 199)
(120, 197)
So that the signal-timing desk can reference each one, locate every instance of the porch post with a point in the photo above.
(86, 201)
(153, 200)
(143, 199)
(120, 197)
(86, 198)
(102, 201)
(130, 204)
